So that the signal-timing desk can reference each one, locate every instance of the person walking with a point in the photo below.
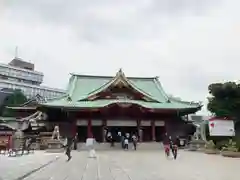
(171, 144)
(112, 141)
(69, 148)
(134, 139)
(175, 148)
(75, 141)
(126, 143)
(122, 141)
(166, 144)
(110, 138)
(127, 135)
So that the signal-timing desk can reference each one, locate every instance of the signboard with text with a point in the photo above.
(221, 127)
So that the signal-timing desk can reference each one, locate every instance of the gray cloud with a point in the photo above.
(99, 20)
(181, 7)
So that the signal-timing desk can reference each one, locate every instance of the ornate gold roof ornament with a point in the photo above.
(120, 73)
(120, 79)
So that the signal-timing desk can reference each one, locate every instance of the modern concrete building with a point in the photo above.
(19, 74)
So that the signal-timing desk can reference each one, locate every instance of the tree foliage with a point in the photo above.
(15, 99)
(224, 100)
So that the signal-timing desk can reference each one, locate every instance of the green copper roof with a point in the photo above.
(120, 76)
(80, 87)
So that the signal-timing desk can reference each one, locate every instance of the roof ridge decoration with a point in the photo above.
(185, 102)
(119, 78)
(160, 88)
(37, 98)
(106, 76)
(70, 89)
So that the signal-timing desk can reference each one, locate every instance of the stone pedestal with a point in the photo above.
(55, 146)
(195, 145)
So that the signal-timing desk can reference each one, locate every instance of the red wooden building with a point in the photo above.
(96, 104)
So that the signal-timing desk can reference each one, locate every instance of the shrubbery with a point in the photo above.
(210, 145)
(231, 146)
(221, 144)
(224, 145)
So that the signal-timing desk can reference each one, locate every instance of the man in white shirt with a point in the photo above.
(126, 143)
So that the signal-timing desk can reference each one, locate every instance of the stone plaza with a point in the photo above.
(120, 165)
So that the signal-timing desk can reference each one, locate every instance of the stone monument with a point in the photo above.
(55, 144)
(196, 142)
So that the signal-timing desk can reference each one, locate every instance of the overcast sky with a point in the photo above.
(187, 43)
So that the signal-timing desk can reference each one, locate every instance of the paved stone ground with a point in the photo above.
(140, 165)
(12, 168)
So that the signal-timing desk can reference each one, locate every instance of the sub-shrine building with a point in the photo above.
(96, 105)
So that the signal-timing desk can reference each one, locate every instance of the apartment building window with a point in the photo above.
(3, 77)
(11, 72)
(11, 86)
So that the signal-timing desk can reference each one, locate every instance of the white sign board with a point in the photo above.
(221, 127)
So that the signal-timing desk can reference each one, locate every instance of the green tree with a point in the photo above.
(15, 99)
(224, 100)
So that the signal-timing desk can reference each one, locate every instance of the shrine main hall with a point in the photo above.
(95, 105)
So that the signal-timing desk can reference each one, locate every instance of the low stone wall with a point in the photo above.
(230, 154)
(211, 151)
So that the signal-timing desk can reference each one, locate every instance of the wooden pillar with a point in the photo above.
(104, 124)
(153, 130)
(74, 128)
(89, 128)
(9, 142)
(139, 131)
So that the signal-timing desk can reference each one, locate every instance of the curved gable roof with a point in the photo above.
(83, 86)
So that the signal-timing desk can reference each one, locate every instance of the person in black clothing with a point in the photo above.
(122, 141)
(174, 147)
(69, 148)
(75, 141)
(177, 141)
(171, 143)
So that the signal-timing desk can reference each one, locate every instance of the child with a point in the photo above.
(126, 143)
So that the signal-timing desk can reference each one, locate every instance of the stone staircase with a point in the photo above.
(149, 146)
